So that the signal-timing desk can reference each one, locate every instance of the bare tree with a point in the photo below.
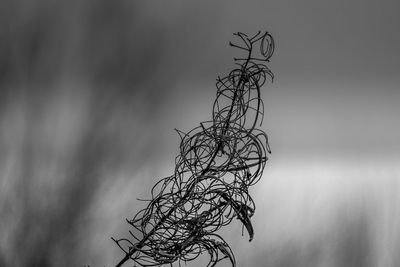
(217, 163)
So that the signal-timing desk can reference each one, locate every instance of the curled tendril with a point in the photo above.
(217, 163)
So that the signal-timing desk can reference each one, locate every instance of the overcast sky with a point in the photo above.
(91, 91)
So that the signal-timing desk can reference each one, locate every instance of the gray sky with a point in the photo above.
(336, 66)
(90, 92)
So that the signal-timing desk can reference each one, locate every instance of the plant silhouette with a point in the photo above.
(217, 163)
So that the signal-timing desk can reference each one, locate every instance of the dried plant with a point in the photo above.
(218, 162)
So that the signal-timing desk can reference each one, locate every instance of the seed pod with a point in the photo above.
(217, 163)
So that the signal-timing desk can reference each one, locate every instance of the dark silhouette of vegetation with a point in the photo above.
(217, 163)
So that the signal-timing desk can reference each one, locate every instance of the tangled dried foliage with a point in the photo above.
(218, 161)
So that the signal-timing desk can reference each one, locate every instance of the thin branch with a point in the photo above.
(218, 162)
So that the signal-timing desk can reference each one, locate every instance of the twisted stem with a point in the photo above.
(218, 162)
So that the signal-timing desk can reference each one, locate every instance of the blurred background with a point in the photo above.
(90, 92)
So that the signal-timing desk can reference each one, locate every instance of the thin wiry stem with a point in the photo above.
(217, 163)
